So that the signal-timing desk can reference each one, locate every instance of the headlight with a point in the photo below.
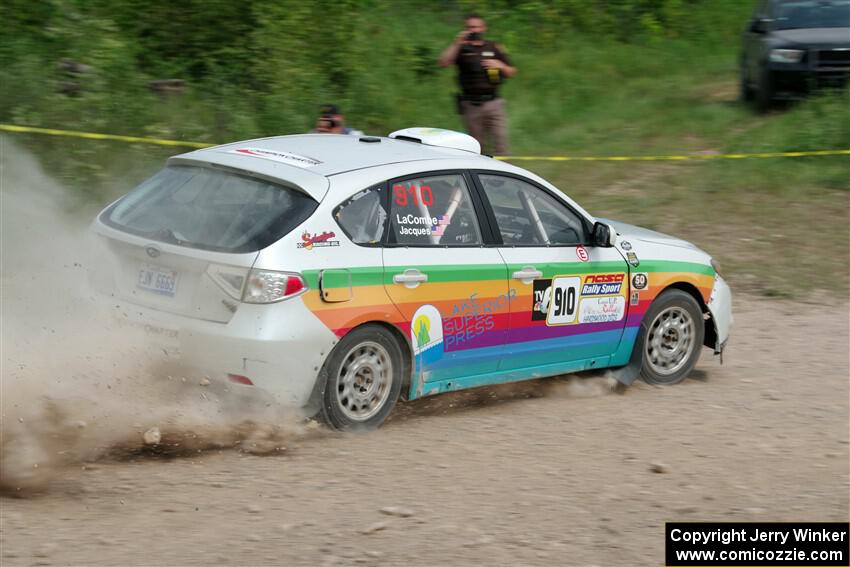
(786, 55)
(716, 266)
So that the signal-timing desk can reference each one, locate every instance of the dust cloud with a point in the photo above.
(75, 384)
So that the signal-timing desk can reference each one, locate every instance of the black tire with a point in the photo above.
(765, 93)
(362, 379)
(673, 331)
(747, 94)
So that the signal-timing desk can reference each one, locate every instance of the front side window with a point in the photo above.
(528, 216)
(210, 209)
(433, 210)
(363, 217)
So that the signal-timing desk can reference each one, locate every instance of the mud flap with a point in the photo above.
(626, 375)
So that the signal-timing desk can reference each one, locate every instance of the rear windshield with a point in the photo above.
(796, 14)
(210, 209)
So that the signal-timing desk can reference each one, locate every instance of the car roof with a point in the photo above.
(306, 160)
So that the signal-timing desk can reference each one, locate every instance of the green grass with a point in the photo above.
(779, 227)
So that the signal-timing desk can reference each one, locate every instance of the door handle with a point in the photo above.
(527, 273)
(410, 278)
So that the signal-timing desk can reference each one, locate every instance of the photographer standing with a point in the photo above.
(482, 67)
(331, 121)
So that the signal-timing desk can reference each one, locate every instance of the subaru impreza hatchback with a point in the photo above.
(341, 273)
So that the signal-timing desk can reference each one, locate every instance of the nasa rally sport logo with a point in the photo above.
(640, 280)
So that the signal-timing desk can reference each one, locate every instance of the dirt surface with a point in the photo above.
(552, 472)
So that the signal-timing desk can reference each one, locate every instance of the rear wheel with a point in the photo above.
(363, 377)
(673, 338)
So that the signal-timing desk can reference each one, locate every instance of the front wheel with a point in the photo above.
(363, 377)
(673, 338)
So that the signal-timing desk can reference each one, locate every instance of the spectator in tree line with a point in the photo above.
(331, 121)
(482, 67)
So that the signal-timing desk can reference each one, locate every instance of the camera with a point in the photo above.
(328, 121)
(473, 36)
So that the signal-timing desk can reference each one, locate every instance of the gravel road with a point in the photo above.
(552, 472)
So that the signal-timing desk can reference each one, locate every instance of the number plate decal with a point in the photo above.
(563, 301)
(157, 280)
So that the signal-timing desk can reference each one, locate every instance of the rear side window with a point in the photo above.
(433, 211)
(210, 209)
(528, 216)
(363, 217)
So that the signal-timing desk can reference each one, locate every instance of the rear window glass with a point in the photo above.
(210, 209)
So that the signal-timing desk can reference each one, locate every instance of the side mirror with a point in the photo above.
(603, 236)
(760, 25)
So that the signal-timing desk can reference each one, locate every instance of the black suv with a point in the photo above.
(792, 47)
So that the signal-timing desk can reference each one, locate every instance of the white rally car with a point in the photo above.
(340, 273)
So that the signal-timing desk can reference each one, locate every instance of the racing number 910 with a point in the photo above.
(421, 194)
(562, 305)
(562, 309)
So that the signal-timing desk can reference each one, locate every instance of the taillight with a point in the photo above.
(265, 286)
(239, 379)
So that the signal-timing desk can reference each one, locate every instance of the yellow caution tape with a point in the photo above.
(96, 136)
(697, 157)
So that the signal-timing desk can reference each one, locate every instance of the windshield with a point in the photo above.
(210, 209)
(796, 14)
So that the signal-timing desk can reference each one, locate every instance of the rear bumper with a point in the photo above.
(720, 306)
(280, 347)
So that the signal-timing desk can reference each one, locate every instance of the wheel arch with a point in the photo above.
(710, 338)
(406, 354)
(403, 342)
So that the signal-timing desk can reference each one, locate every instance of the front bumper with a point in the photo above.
(720, 307)
(793, 82)
(280, 347)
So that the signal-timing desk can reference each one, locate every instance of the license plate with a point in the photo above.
(158, 280)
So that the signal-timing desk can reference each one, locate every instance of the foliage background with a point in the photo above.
(596, 77)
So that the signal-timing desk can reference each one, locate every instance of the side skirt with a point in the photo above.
(452, 385)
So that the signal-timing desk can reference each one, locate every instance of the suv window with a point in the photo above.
(363, 217)
(433, 210)
(210, 209)
(795, 14)
(527, 215)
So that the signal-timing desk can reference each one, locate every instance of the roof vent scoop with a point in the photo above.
(440, 138)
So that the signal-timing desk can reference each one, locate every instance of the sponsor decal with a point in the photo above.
(602, 309)
(310, 241)
(633, 259)
(277, 155)
(603, 284)
(582, 254)
(626, 245)
(561, 300)
(426, 329)
(635, 298)
(541, 295)
(640, 280)
(472, 318)
(601, 289)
